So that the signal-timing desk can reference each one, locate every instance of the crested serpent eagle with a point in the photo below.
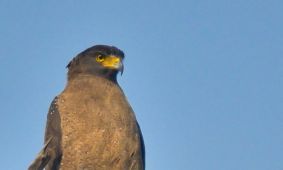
(90, 125)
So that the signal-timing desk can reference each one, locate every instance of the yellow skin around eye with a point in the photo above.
(99, 58)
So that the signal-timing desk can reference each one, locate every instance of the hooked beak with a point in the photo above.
(114, 62)
(121, 68)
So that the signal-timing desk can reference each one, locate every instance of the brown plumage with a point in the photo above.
(91, 125)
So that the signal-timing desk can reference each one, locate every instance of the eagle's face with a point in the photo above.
(99, 60)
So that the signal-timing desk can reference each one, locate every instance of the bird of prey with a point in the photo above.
(90, 125)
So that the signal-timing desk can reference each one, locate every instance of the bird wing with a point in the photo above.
(50, 155)
(142, 145)
(42, 158)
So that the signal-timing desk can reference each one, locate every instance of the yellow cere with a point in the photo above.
(111, 62)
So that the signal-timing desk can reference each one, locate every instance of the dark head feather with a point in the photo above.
(84, 62)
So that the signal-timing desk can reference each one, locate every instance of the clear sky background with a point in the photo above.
(204, 77)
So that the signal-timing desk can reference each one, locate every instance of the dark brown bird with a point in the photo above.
(90, 125)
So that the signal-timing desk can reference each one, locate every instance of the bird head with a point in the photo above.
(99, 60)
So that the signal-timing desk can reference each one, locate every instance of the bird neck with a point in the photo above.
(108, 75)
(89, 81)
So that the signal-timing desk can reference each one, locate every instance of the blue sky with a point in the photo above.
(204, 77)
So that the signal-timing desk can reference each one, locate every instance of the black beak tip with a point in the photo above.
(122, 70)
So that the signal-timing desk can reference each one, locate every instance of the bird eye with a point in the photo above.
(100, 58)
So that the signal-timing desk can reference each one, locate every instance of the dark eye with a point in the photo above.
(100, 58)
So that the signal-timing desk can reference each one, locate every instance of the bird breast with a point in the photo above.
(97, 124)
